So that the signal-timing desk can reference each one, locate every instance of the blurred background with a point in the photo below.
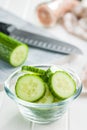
(70, 14)
(66, 17)
(22, 8)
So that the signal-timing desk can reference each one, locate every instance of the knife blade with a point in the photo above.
(39, 41)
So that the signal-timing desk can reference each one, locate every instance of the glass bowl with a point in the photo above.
(41, 113)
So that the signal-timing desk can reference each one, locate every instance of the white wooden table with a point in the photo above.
(10, 119)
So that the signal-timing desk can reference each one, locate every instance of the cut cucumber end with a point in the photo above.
(19, 55)
(62, 85)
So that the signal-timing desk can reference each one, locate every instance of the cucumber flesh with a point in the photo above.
(30, 88)
(47, 98)
(34, 70)
(62, 85)
(18, 56)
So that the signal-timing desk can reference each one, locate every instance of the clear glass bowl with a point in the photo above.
(41, 113)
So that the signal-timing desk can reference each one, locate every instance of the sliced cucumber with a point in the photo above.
(37, 71)
(12, 51)
(62, 84)
(30, 88)
(33, 69)
(47, 98)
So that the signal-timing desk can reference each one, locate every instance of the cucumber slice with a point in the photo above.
(12, 51)
(37, 71)
(47, 98)
(30, 88)
(33, 69)
(62, 84)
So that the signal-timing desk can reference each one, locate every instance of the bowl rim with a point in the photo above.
(30, 104)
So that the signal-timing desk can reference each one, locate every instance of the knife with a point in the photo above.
(38, 41)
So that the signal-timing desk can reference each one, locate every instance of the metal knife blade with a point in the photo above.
(38, 41)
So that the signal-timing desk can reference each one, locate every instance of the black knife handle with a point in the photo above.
(4, 28)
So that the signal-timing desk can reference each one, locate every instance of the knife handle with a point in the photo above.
(4, 28)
